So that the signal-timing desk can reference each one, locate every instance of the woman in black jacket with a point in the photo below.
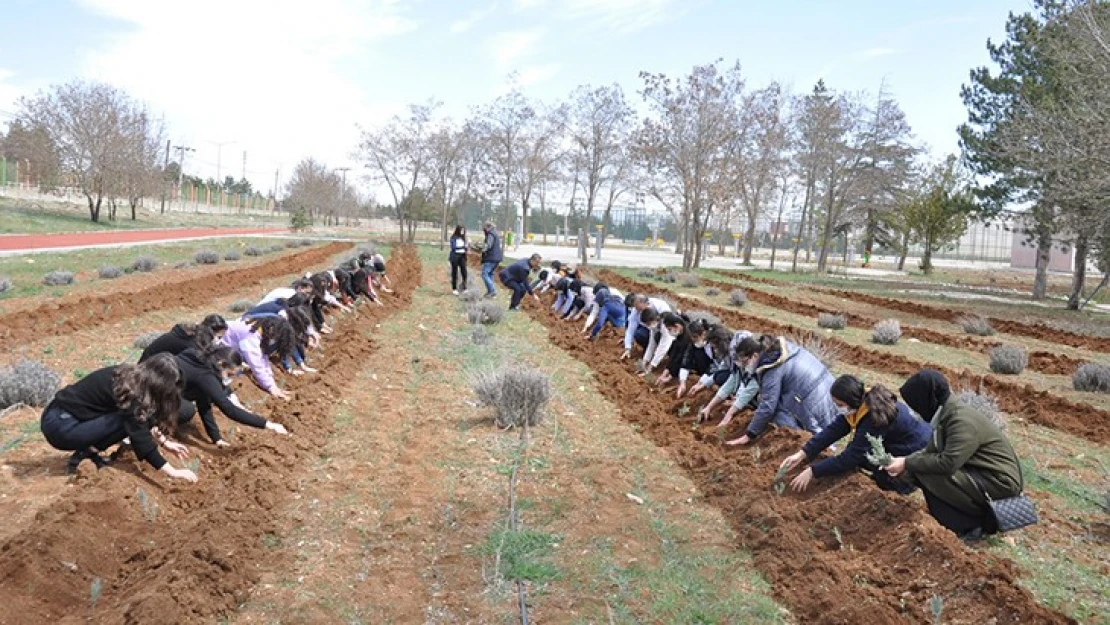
(457, 258)
(186, 335)
(206, 377)
(113, 403)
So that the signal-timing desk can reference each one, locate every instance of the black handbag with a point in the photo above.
(1010, 513)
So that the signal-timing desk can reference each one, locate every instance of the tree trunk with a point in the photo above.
(749, 240)
(94, 208)
(1079, 272)
(905, 251)
(401, 224)
(1101, 285)
(443, 227)
(134, 204)
(927, 257)
(802, 225)
(823, 258)
(1044, 253)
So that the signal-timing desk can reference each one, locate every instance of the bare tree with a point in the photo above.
(600, 127)
(503, 124)
(759, 154)
(682, 145)
(540, 152)
(87, 124)
(399, 155)
(317, 189)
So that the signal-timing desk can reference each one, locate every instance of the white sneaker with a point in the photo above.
(455, 292)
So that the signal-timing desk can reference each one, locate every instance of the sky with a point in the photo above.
(282, 80)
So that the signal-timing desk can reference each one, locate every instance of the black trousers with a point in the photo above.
(519, 289)
(458, 265)
(64, 432)
(955, 519)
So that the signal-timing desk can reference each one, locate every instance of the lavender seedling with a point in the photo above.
(878, 455)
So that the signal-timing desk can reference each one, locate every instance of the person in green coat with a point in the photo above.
(964, 441)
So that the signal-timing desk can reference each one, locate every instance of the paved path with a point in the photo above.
(19, 243)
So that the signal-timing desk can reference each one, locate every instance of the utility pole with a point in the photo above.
(219, 153)
(164, 168)
(182, 149)
(244, 176)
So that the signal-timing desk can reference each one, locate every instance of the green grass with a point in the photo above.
(525, 555)
(26, 271)
(26, 217)
(1069, 587)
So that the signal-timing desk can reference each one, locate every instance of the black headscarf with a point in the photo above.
(925, 392)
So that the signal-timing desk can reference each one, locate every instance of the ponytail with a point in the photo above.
(882, 405)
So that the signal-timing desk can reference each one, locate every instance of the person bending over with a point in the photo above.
(139, 402)
(184, 336)
(612, 311)
(741, 384)
(248, 339)
(207, 377)
(515, 277)
(636, 332)
(966, 454)
(861, 412)
(793, 390)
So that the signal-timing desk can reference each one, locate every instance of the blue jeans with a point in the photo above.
(487, 276)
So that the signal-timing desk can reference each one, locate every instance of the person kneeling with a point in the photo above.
(876, 412)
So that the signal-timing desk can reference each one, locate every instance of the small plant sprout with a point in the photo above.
(689, 280)
(144, 264)
(780, 480)
(839, 538)
(28, 382)
(878, 455)
(712, 292)
(936, 608)
(485, 313)
(193, 465)
(95, 589)
(206, 257)
(58, 278)
(517, 394)
(684, 409)
(480, 336)
(645, 273)
(110, 272)
(148, 505)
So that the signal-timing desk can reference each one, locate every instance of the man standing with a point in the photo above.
(515, 276)
(491, 257)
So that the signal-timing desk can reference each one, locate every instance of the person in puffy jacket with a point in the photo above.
(793, 390)
(861, 412)
(491, 256)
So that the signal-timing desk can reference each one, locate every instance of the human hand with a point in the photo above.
(179, 474)
(626, 355)
(801, 483)
(743, 440)
(896, 467)
(222, 444)
(792, 460)
(276, 427)
(177, 449)
(280, 394)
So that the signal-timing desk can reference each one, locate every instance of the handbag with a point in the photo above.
(1010, 513)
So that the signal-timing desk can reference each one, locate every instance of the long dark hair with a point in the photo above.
(220, 357)
(698, 328)
(882, 405)
(719, 338)
(746, 348)
(215, 323)
(848, 389)
(300, 320)
(151, 389)
(459, 232)
(671, 320)
(276, 332)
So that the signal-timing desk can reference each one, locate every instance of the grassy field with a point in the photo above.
(25, 217)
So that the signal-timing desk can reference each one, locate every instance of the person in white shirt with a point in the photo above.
(636, 332)
(302, 286)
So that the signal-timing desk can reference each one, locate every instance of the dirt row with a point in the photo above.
(1040, 407)
(90, 311)
(128, 546)
(1043, 362)
(844, 552)
(1039, 331)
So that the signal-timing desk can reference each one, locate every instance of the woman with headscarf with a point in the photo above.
(966, 455)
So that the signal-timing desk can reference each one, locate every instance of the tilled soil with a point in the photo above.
(90, 311)
(843, 552)
(1043, 362)
(1040, 407)
(167, 552)
(1039, 331)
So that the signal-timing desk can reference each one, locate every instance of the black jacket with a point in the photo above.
(93, 396)
(493, 252)
(204, 387)
(518, 272)
(173, 342)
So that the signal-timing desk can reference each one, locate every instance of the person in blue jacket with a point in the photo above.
(793, 390)
(611, 310)
(491, 256)
(516, 277)
(860, 412)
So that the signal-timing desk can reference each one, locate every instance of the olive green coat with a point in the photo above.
(962, 438)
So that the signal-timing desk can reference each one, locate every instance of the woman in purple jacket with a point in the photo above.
(249, 337)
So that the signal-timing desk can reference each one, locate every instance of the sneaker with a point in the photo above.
(308, 369)
(514, 309)
(973, 536)
(455, 292)
(491, 295)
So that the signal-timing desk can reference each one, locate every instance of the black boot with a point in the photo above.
(75, 460)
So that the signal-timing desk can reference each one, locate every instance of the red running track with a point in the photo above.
(15, 242)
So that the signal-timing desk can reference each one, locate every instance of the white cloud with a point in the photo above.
(275, 86)
(534, 74)
(508, 47)
(620, 15)
(468, 22)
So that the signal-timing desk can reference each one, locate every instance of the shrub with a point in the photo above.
(481, 336)
(689, 280)
(28, 382)
(58, 278)
(668, 278)
(232, 255)
(470, 296)
(516, 394)
(737, 297)
(696, 315)
(831, 321)
(485, 312)
(144, 264)
(300, 219)
(290, 244)
(144, 340)
(240, 306)
(974, 324)
(206, 257)
(712, 292)
(253, 251)
(983, 403)
(645, 273)
(108, 272)
(1008, 359)
(825, 351)
(887, 332)
(5, 284)
(305, 242)
(1092, 378)
(277, 247)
